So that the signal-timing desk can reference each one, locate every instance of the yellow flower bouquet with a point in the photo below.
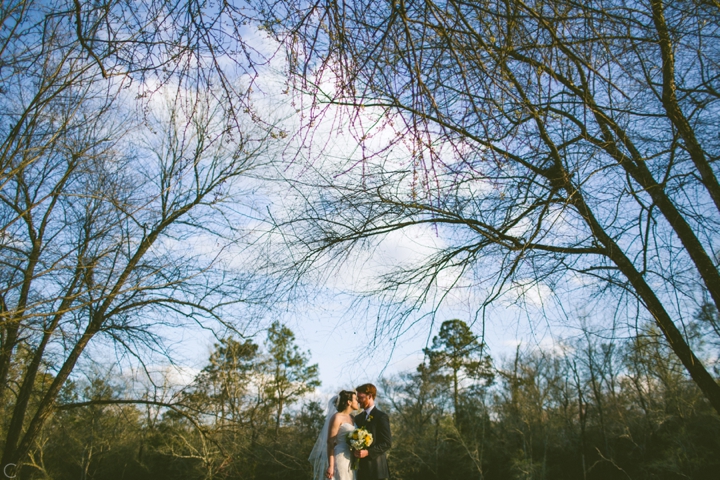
(358, 439)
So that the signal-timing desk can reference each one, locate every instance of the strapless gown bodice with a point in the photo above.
(342, 445)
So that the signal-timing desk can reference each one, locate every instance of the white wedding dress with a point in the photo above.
(343, 456)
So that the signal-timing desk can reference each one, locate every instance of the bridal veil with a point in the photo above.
(319, 457)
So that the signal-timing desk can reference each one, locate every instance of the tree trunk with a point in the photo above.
(45, 408)
(693, 365)
(23, 398)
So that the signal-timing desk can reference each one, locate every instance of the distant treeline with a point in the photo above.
(588, 409)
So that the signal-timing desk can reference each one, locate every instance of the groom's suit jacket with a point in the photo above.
(374, 466)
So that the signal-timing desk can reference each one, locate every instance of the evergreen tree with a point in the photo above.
(289, 371)
(456, 350)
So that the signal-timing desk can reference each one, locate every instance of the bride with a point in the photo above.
(331, 455)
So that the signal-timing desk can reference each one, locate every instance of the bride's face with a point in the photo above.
(354, 403)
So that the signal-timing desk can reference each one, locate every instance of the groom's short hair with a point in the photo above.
(367, 389)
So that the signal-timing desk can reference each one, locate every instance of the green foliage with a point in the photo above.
(590, 409)
(289, 375)
(221, 386)
(456, 350)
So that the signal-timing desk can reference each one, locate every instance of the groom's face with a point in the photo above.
(364, 400)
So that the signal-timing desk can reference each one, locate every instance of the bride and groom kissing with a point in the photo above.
(332, 457)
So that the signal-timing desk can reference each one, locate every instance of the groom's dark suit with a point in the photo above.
(374, 466)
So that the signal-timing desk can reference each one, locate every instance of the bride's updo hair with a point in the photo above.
(344, 397)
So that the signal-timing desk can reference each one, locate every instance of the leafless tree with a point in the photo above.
(119, 213)
(569, 144)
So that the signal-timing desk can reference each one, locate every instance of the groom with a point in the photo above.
(373, 464)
